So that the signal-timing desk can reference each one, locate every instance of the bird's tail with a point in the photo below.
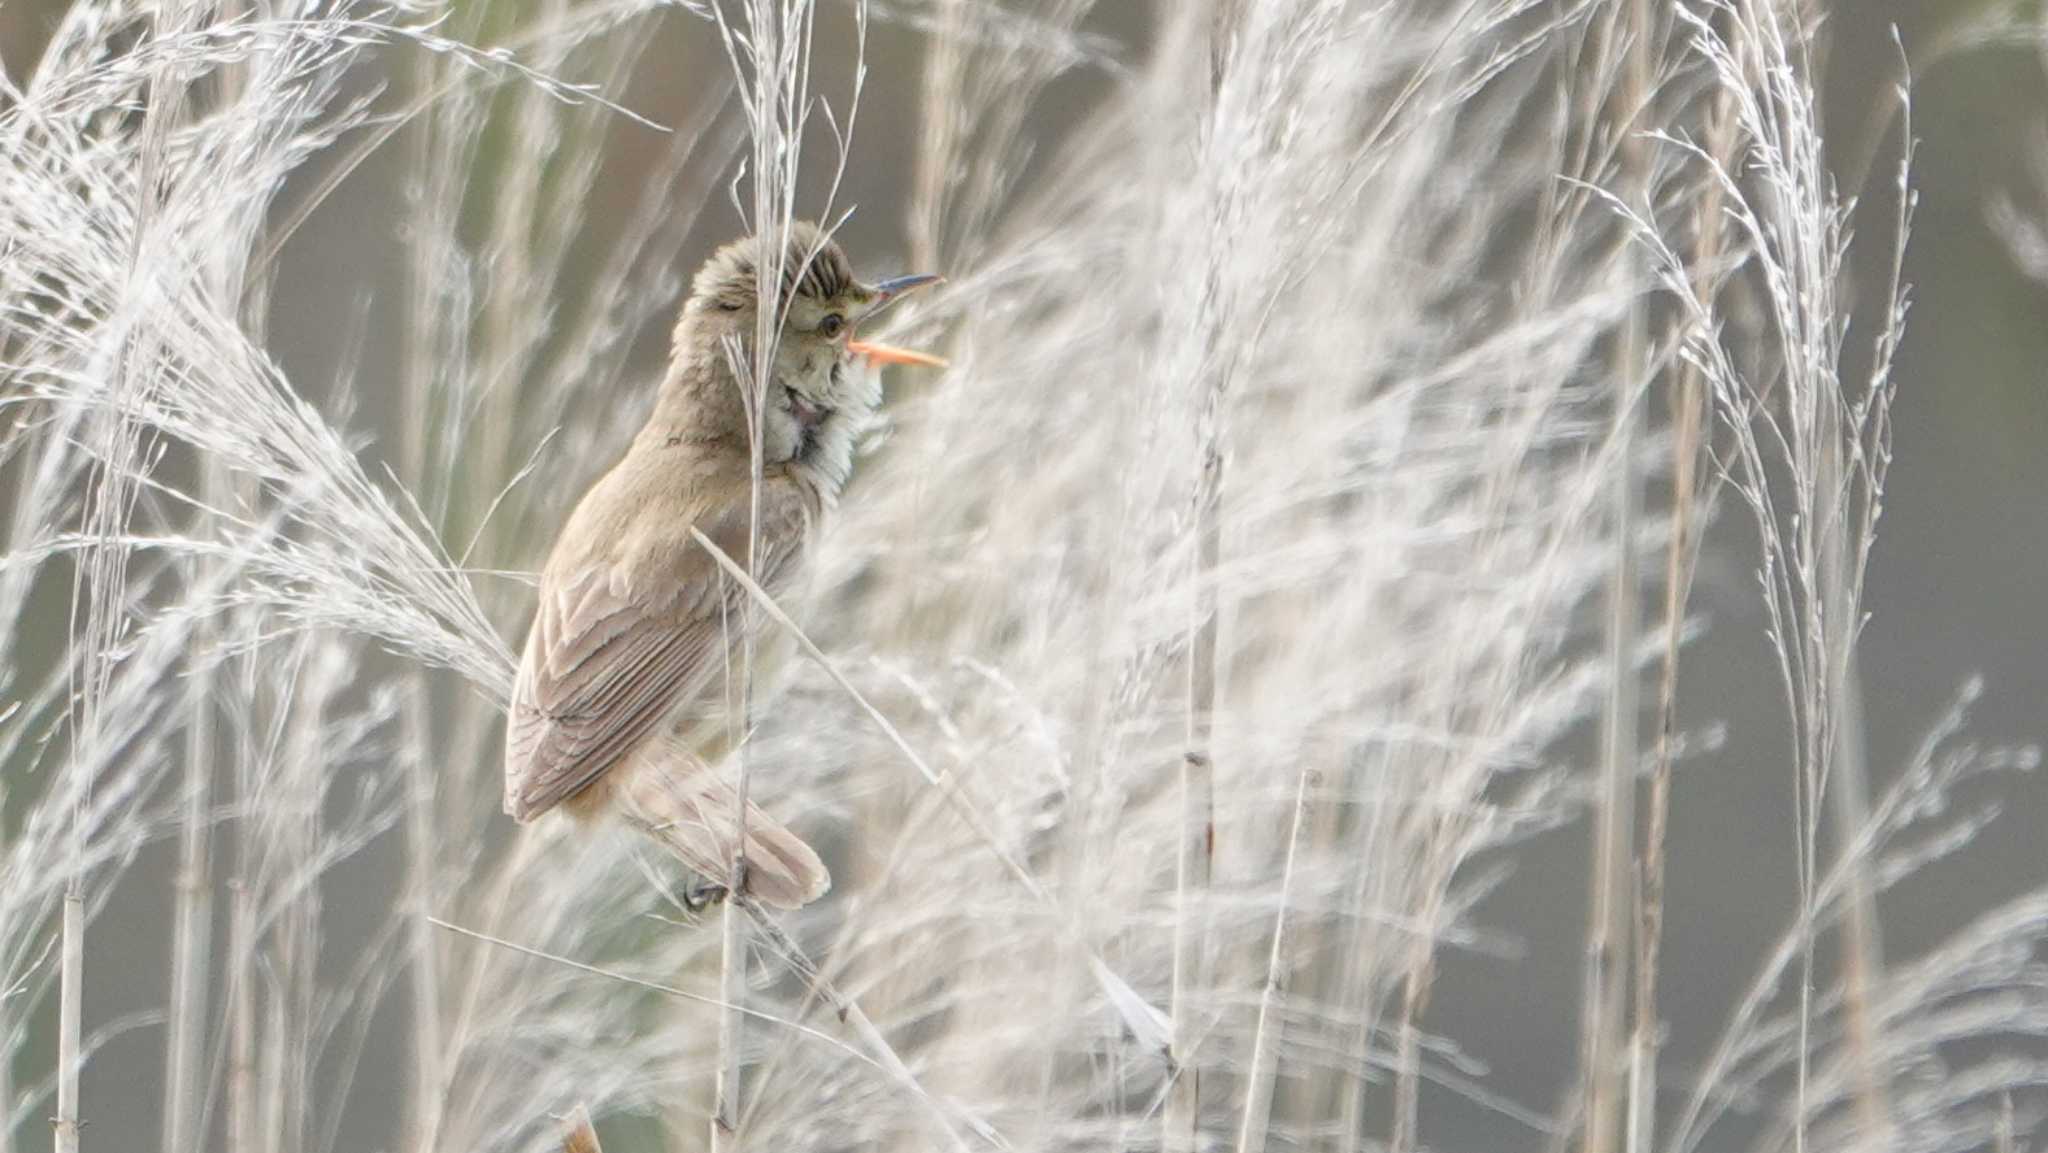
(691, 815)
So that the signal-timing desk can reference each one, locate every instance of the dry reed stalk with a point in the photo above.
(1195, 862)
(320, 676)
(424, 1048)
(1848, 794)
(243, 1134)
(1861, 940)
(732, 988)
(1688, 414)
(421, 338)
(100, 581)
(238, 285)
(1848, 789)
(1608, 949)
(941, 110)
(1258, 1101)
(509, 326)
(274, 1081)
(1195, 855)
(773, 163)
(1788, 421)
(774, 53)
(192, 929)
(1195, 858)
(69, 1002)
(1375, 887)
(6, 1069)
(1611, 919)
(1416, 984)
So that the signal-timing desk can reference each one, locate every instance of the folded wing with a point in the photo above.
(612, 653)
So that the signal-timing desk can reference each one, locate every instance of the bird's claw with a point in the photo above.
(701, 895)
(705, 892)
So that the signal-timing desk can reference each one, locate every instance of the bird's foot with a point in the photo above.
(699, 895)
(703, 892)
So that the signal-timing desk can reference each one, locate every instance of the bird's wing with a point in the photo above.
(612, 652)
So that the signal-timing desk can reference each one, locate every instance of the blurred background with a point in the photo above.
(1955, 585)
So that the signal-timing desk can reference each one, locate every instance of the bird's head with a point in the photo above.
(823, 387)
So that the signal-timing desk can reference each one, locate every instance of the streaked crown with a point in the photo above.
(812, 265)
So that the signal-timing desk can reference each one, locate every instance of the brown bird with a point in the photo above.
(621, 704)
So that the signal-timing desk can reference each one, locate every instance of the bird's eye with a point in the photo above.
(831, 325)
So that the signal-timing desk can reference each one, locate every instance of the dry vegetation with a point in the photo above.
(1335, 416)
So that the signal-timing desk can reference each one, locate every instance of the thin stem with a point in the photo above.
(637, 982)
(1194, 864)
(100, 583)
(1195, 861)
(185, 1037)
(421, 337)
(192, 930)
(242, 1133)
(1610, 920)
(69, 1004)
(6, 1081)
(1848, 797)
(883, 1054)
(428, 1081)
(732, 987)
(939, 144)
(1251, 1133)
(1370, 892)
(1688, 415)
(1415, 991)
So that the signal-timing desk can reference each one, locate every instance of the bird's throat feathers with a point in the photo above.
(824, 446)
(815, 409)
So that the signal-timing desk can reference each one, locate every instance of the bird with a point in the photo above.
(621, 705)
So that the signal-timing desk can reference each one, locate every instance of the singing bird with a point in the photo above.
(622, 703)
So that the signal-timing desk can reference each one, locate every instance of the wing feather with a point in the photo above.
(606, 662)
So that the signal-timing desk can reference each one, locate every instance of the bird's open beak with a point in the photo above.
(887, 293)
